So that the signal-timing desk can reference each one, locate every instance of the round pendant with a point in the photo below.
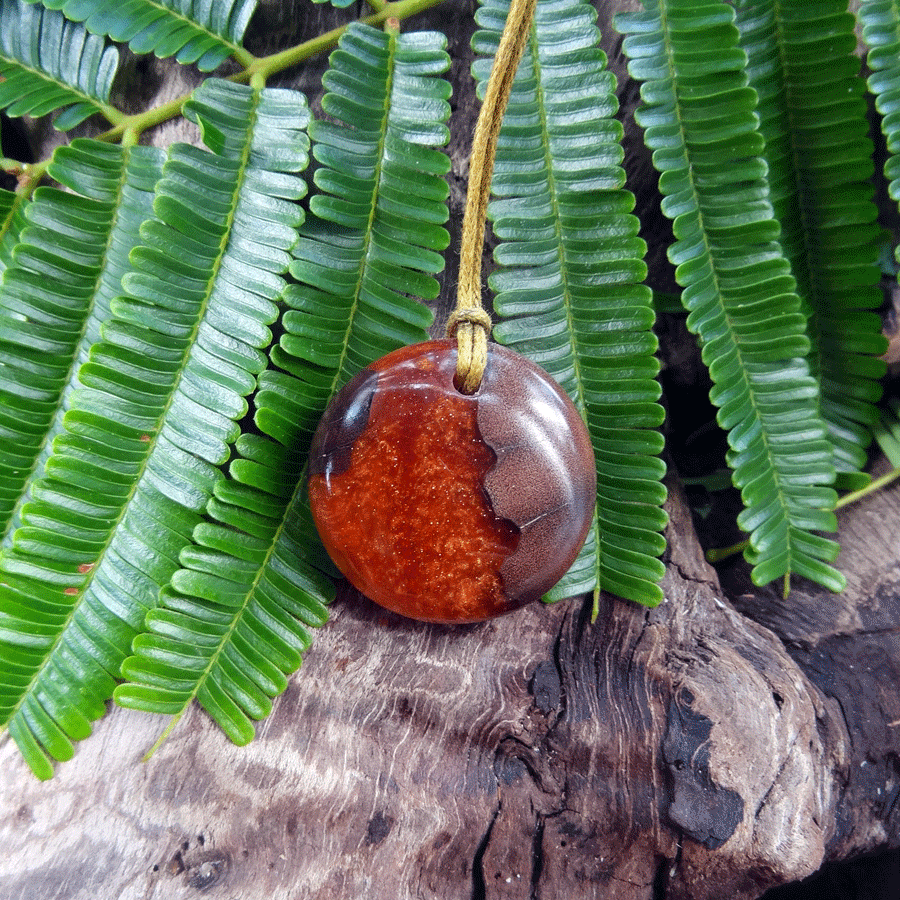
(447, 507)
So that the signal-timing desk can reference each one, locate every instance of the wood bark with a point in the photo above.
(718, 745)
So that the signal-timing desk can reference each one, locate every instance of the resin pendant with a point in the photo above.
(446, 507)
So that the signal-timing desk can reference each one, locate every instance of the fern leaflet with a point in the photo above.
(699, 119)
(193, 31)
(58, 66)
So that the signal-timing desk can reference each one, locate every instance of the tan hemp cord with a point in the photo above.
(469, 322)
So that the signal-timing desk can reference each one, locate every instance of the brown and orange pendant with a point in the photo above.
(448, 507)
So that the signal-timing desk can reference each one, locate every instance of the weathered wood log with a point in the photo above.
(720, 744)
(684, 752)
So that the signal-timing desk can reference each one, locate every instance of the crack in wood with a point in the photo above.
(537, 856)
(479, 885)
(775, 781)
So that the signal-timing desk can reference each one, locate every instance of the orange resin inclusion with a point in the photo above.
(408, 522)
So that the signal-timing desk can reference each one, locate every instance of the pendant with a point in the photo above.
(447, 507)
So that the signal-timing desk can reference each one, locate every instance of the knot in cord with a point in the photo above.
(468, 315)
(471, 326)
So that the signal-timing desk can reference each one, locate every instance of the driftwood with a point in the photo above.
(684, 752)
(723, 743)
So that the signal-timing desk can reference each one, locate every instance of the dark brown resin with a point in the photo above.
(545, 478)
(447, 507)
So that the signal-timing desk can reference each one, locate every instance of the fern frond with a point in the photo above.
(193, 31)
(568, 293)
(699, 120)
(56, 297)
(256, 576)
(803, 65)
(136, 465)
(381, 182)
(48, 63)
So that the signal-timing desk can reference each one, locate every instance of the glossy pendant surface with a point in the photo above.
(447, 507)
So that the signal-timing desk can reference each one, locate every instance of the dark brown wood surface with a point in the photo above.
(722, 743)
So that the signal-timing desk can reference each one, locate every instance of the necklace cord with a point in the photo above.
(469, 322)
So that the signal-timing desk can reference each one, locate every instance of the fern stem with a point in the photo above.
(170, 727)
(469, 321)
(263, 66)
(875, 485)
(244, 57)
(284, 59)
(31, 177)
(112, 115)
(717, 554)
(130, 137)
(140, 122)
(12, 166)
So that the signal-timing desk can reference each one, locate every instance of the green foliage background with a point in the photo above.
(173, 323)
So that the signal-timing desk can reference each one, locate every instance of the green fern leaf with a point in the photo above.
(193, 31)
(49, 64)
(136, 465)
(881, 33)
(381, 182)
(56, 297)
(236, 618)
(568, 293)
(257, 575)
(12, 221)
(699, 120)
(803, 65)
